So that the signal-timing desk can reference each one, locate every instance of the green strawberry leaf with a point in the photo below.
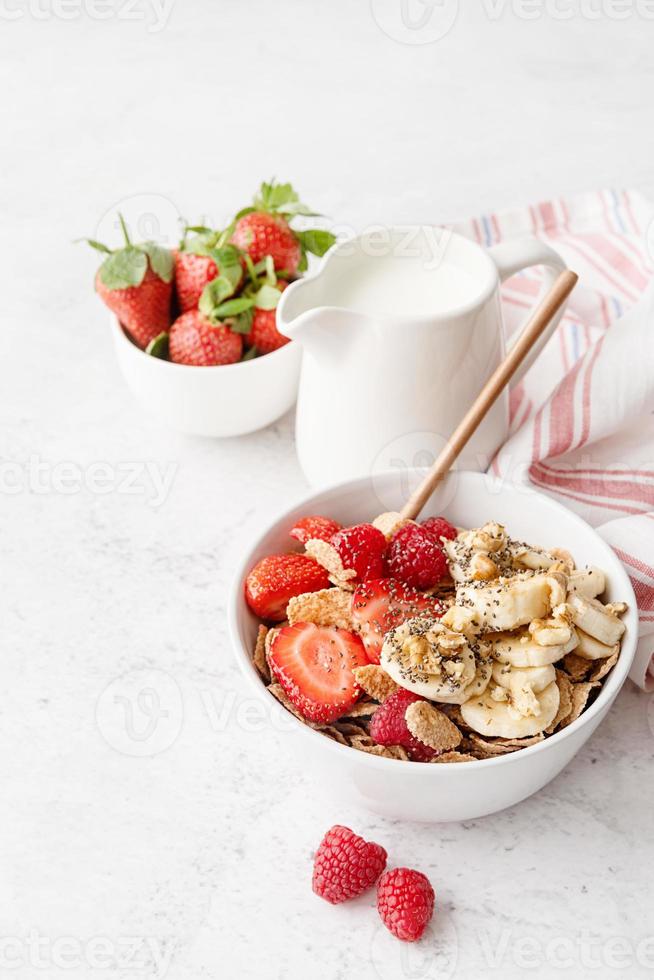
(295, 208)
(250, 355)
(233, 307)
(98, 246)
(251, 270)
(215, 293)
(228, 260)
(316, 240)
(158, 346)
(243, 322)
(267, 297)
(161, 260)
(124, 268)
(303, 264)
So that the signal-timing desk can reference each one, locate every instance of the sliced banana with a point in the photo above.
(588, 582)
(522, 649)
(599, 621)
(510, 603)
(424, 656)
(591, 649)
(526, 556)
(518, 703)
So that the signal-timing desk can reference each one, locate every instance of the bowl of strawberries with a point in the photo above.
(195, 328)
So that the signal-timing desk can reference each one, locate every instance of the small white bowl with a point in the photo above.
(454, 791)
(226, 400)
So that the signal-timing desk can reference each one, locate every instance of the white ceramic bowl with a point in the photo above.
(227, 400)
(455, 791)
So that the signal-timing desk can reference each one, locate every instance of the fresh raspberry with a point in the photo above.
(346, 865)
(388, 726)
(362, 548)
(405, 902)
(314, 527)
(416, 557)
(277, 578)
(440, 528)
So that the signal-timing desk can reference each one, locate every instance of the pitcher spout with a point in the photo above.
(324, 331)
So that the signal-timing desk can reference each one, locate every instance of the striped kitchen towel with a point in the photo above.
(582, 422)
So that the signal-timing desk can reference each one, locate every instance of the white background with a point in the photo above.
(202, 843)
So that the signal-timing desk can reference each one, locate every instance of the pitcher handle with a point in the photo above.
(512, 256)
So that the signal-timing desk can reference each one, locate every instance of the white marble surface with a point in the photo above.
(201, 845)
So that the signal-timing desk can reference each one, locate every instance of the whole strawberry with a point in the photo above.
(405, 902)
(194, 339)
(264, 229)
(346, 865)
(136, 283)
(264, 334)
(201, 259)
(276, 579)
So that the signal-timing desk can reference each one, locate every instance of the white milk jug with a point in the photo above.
(399, 333)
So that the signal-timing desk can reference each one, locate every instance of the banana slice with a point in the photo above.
(526, 556)
(519, 703)
(424, 656)
(599, 621)
(591, 649)
(510, 603)
(523, 649)
(588, 582)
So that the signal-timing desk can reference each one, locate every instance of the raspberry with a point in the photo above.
(416, 557)
(440, 528)
(388, 726)
(362, 548)
(346, 865)
(323, 528)
(405, 902)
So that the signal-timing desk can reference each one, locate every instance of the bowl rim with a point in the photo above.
(607, 693)
(121, 337)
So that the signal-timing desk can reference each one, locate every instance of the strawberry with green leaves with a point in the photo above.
(252, 312)
(199, 260)
(136, 283)
(265, 229)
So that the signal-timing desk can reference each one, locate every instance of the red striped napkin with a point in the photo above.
(582, 422)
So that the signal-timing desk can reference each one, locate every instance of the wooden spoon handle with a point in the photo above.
(498, 380)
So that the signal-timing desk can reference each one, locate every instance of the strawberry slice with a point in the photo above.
(382, 604)
(316, 527)
(314, 665)
(277, 578)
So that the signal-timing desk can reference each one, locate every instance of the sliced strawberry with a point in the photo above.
(314, 665)
(277, 578)
(316, 527)
(381, 605)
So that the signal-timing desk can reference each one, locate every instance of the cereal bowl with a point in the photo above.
(227, 400)
(449, 791)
